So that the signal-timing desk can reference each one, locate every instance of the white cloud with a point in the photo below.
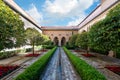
(60, 6)
(35, 14)
(67, 7)
(76, 21)
(72, 9)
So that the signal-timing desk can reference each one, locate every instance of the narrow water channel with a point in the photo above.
(59, 68)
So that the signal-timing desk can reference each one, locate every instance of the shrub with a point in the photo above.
(28, 49)
(8, 54)
(72, 40)
(86, 71)
(82, 40)
(33, 72)
(49, 46)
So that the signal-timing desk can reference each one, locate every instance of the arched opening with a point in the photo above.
(63, 41)
(83, 31)
(56, 41)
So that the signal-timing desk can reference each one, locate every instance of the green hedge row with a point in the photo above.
(49, 46)
(8, 54)
(33, 72)
(86, 71)
(28, 50)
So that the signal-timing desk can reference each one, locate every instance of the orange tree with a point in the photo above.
(72, 40)
(105, 34)
(82, 40)
(33, 37)
(11, 28)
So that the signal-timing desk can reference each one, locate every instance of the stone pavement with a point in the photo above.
(99, 63)
(59, 68)
(14, 60)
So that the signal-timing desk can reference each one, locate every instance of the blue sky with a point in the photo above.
(58, 12)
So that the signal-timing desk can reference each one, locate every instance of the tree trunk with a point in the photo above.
(33, 48)
(43, 47)
(88, 50)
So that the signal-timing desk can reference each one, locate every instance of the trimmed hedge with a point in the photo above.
(86, 71)
(8, 54)
(28, 50)
(49, 46)
(34, 71)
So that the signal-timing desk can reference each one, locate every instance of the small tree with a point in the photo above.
(82, 40)
(73, 40)
(33, 37)
(46, 40)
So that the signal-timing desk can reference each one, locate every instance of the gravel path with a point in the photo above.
(59, 68)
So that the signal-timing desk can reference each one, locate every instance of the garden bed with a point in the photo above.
(78, 51)
(4, 70)
(88, 55)
(42, 50)
(32, 55)
(114, 68)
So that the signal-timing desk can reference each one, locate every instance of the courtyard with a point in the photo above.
(46, 41)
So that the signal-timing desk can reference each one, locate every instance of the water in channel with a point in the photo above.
(59, 68)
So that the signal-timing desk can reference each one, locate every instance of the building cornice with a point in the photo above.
(59, 28)
(79, 25)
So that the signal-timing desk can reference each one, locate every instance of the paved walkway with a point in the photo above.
(99, 63)
(17, 60)
(59, 68)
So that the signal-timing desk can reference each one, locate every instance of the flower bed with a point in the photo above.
(43, 50)
(32, 55)
(114, 68)
(88, 55)
(78, 51)
(4, 70)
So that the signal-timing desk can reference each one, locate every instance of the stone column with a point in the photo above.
(59, 42)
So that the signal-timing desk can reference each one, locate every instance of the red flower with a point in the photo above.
(32, 55)
(114, 68)
(88, 55)
(7, 69)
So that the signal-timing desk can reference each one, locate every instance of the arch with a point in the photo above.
(84, 31)
(63, 41)
(56, 41)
